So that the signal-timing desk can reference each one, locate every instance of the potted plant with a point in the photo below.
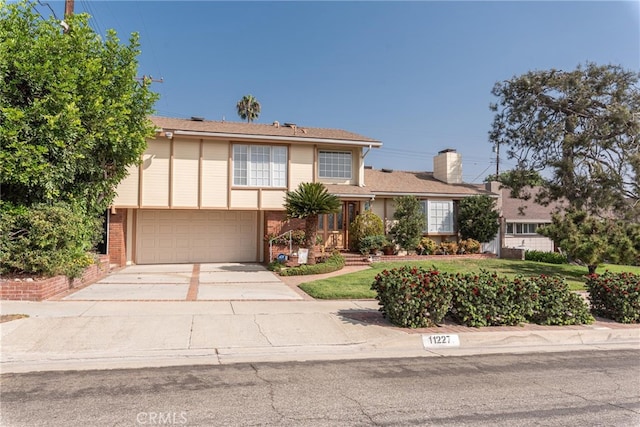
(371, 244)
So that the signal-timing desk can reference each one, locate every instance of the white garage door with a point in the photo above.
(181, 236)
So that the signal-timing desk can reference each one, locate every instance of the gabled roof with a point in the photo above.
(519, 210)
(393, 183)
(400, 183)
(271, 131)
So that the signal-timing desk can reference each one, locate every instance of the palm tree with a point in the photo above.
(248, 108)
(307, 202)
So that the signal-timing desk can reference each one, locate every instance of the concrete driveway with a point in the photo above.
(188, 282)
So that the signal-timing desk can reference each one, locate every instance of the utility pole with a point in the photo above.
(497, 159)
(68, 8)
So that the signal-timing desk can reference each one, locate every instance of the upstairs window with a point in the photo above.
(259, 166)
(523, 228)
(334, 164)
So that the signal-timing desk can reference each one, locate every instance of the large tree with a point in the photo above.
(72, 115)
(580, 130)
(478, 218)
(580, 126)
(308, 201)
(248, 108)
(409, 222)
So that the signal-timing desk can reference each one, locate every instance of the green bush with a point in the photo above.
(615, 296)
(486, 299)
(46, 239)
(333, 263)
(365, 224)
(557, 304)
(427, 246)
(447, 248)
(548, 257)
(413, 297)
(372, 243)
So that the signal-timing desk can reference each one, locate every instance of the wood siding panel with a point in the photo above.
(215, 157)
(244, 199)
(301, 165)
(127, 190)
(186, 156)
(272, 199)
(155, 170)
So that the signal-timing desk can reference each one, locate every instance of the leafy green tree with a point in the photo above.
(248, 108)
(478, 218)
(308, 201)
(594, 240)
(365, 224)
(72, 116)
(410, 222)
(583, 126)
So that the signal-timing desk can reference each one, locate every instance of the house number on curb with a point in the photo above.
(440, 340)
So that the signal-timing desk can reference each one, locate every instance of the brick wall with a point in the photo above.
(117, 249)
(512, 253)
(41, 289)
(276, 224)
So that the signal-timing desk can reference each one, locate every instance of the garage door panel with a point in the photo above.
(167, 236)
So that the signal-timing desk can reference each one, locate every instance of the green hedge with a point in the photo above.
(46, 239)
(547, 257)
(333, 263)
(415, 297)
(615, 296)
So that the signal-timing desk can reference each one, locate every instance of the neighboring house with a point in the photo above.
(210, 191)
(521, 220)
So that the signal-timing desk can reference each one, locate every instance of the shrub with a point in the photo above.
(486, 299)
(615, 296)
(427, 246)
(409, 222)
(447, 248)
(368, 244)
(548, 257)
(468, 246)
(334, 262)
(365, 224)
(557, 304)
(46, 239)
(413, 297)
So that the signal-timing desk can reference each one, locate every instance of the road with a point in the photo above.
(594, 388)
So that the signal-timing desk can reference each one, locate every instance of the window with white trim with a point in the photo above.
(439, 215)
(334, 164)
(259, 165)
(523, 227)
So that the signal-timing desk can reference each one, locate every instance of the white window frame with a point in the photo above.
(436, 221)
(523, 228)
(332, 164)
(258, 166)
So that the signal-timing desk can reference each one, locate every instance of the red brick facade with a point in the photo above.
(117, 249)
(275, 224)
(38, 290)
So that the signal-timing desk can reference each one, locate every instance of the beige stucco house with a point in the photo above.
(209, 191)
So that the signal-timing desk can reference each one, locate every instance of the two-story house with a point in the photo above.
(210, 191)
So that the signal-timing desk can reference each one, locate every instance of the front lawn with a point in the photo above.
(358, 285)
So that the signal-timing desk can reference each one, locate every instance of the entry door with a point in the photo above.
(334, 228)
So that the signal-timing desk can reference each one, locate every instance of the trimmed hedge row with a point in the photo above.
(615, 296)
(546, 257)
(416, 297)
(333, 263)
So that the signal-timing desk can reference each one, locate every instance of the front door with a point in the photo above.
(334, 228)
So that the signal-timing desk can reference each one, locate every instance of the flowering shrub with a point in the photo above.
(413, 297)
(557, 304)
(427, 246)
(447, 248)
(615, 296)
(468, 246)
(486, 299)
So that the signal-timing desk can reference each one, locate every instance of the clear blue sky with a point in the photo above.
(415, 75)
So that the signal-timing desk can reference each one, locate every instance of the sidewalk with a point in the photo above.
(77, 335)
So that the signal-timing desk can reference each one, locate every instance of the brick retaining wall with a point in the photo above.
(41, 289)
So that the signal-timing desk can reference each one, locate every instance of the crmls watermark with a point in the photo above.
(153, 418)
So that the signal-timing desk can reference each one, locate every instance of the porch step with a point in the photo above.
(353, 258)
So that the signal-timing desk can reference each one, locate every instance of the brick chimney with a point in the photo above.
(447, 166)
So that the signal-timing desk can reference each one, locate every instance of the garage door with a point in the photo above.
(177, 236)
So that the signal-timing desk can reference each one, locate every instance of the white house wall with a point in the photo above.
(529, 242)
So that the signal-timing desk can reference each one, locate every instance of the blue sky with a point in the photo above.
(415, 75)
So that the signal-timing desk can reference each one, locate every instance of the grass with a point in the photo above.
(357, 285)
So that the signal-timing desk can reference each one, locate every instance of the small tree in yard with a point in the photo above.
(478, 218)
(308, 201)
(410, 222)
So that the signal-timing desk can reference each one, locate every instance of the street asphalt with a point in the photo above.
(148, 316)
